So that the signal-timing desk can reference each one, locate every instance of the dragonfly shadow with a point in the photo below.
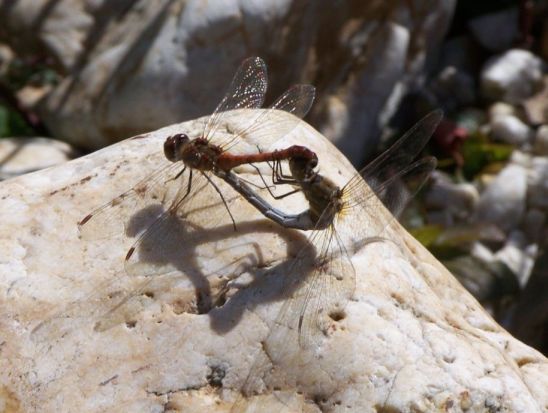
(168, 248)
(178, 250)
(277, 283)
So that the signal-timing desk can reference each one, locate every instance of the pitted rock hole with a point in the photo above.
(387, 409)
(216, 375)
(131, 324)
(337, 315)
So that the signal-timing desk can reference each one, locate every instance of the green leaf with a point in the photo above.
(478, 153)
(427, 235)
(12, 124)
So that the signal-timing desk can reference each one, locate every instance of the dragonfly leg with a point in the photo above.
(222, 197)
(279, 178)
(266, 186)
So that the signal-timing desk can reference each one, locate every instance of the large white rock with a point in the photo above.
(410, 339)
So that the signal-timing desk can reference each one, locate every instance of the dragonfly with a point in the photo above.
(344, 219)
(188, 166)
(210, 153)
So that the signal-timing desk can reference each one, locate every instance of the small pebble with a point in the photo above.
(541, 141)
(502, 203)
(512, 76)
(500, 109)
(510, 129)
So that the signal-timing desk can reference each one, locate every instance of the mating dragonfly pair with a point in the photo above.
(338, 217)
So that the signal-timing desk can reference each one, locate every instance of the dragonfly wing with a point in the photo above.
(267, 127)
(247, 90)
(127, 305)
(110, 219)
(367, 201)
(164, 246)
(396, 192)
(317, 291)
(404, 150)
(84, 310)
(390, 181)
(328, 288)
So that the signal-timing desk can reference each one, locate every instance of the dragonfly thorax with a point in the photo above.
(322, 194)
(196, 153)
(324, 198)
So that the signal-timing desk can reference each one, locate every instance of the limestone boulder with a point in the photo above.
(79, 333)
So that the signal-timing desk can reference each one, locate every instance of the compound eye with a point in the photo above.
(170, 147)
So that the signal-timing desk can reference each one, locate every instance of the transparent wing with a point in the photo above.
(328, 289)
(111, 218)
(84, 310)
(267, 127)
(396, 192)
(368, 204)
(321, 285)
(247, 90)
(164, 246)
(390, 181)
(400, 154)
(318, 298)
(109, 304)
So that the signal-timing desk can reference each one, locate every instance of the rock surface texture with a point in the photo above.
(78, 334)
(131, 67)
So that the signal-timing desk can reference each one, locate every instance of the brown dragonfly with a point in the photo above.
(188, 166)
(321, 282)
(194, 162)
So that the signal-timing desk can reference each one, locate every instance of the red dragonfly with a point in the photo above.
(176, 189)
(208, 154)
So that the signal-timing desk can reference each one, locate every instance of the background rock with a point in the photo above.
(19, 156)
(512, 76)
(510, 129)
(411, 337)
(456, 199)
(500, 109)
(541, 141)
(536, 107)
(487, 29)
(129, 67)
(503, 201)
(537, 183)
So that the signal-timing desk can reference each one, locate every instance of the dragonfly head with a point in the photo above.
(173, 146)
(302, 168)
